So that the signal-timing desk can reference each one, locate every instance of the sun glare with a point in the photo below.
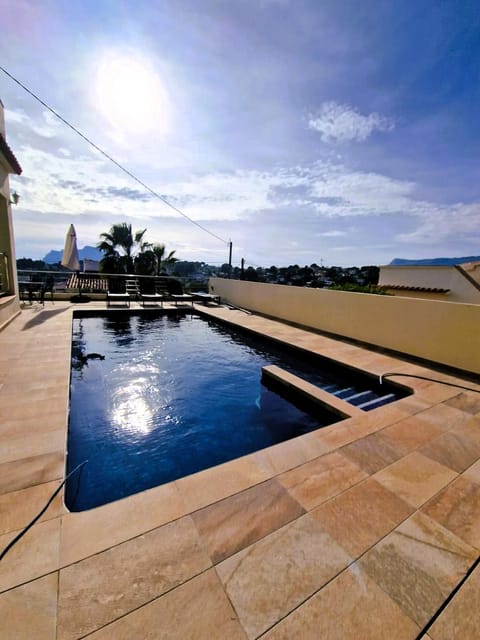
(131, 95)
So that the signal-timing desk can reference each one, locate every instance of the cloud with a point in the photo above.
(456, 223)
(279, 215)
(343, 123)
(49, 126)
(335, 233)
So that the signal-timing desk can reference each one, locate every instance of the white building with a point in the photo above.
(452, 283)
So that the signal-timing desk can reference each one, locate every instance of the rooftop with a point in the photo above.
(404, 287)
(9, 156)
(358, 530)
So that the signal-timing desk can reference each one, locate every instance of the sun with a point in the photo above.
(131, 96)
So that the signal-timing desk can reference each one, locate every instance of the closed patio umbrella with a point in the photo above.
(70, 252)
(71, 261)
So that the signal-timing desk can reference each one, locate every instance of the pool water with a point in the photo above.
(166, 395)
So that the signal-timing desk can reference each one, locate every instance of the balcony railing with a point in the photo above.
(63, 282)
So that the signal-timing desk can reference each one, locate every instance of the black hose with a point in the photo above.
(411, 375)
(40, 513)
(447, 601)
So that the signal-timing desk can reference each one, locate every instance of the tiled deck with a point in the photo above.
(359, 530)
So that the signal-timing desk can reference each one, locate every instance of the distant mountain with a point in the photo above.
(432, 262)
(90, 253)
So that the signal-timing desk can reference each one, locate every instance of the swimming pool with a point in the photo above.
(155, 397)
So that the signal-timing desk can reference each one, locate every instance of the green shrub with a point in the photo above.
(358, 288)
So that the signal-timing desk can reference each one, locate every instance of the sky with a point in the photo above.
(337, 132)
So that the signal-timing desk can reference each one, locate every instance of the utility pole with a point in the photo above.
(230, 259)
(242, 267)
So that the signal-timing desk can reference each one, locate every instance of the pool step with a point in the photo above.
(360, 397)
(344, 393)
(330, 388)
(379, 401)
(365, 400)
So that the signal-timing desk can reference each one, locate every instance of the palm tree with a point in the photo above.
(120, 248)
(161, 259)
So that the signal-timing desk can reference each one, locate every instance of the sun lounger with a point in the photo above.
(148, 292)
(181, 297)
(117, 293)
(206, 297)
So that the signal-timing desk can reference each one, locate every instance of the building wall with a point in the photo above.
(442, 332)
(11, 306)
(441, 277)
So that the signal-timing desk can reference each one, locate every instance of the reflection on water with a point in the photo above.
(130, 408)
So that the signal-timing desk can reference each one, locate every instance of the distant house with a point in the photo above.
(452, 283)
(9, 302)
(91, 265)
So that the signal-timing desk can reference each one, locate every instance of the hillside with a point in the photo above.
(429, 262)
(90, 253)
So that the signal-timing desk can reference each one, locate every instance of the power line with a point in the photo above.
(104, 153)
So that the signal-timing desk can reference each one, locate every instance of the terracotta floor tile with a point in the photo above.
(323, 478)
(34, 555)
(18, 508)
(15, 427)
(385, 416)
(410, 434)
(27, 472)
(197, 610)
(415, 478)
(470, 428)
(461, 618)
(418, 565)
(291, 453)
(337, 435)
(473, 473)
(351, 607)
(55, 386)
(236, 522)
(269, 579)
(444, 416)
(412, 404)
(31, 407)
(457, 508)
(467, 401)
(216, 483)
(92, 531)
(361, 516)
(435, 393)
(104, 587)
(30, 445)
(30, 611)
(372, 453)
(453, 450)
(12, 397)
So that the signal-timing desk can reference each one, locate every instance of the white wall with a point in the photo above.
(441, 277)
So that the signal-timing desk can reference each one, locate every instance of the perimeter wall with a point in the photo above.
(443, 332)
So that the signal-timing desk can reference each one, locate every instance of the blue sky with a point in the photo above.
(304, 131)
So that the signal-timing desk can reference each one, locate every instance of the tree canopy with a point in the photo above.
(128, 252)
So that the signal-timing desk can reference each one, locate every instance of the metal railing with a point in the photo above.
(88, 282)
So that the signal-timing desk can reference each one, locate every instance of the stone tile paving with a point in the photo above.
(358, 530)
